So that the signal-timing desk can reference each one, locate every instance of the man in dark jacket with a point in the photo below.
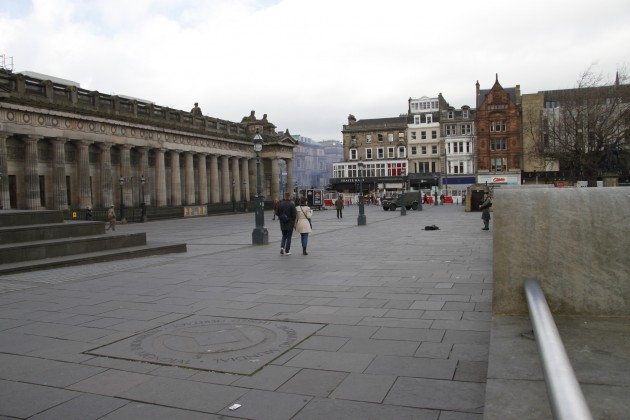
(339, 207)
(287, 215)
(485, 211)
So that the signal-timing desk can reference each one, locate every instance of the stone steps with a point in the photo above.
(34, 240)
(147, 250)
(42, 232)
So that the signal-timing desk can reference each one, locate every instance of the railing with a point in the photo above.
(563, 390)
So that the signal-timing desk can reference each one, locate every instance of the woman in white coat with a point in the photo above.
(303, 223)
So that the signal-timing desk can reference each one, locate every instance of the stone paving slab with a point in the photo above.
(230, 345)
(391, 321)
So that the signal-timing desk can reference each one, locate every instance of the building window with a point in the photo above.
(390, 137)
(451, 114)
(368, 153)
(424, 150)
(434, 149)
(498, 144)
(433, 134)
(402, 152)
(498, 164)
(496, 126)
(414, 150)
(368, 138)
(429, 118)
(465, 113)
(423, 135)
(413, 135)
(381, 153)
(390, 152)
(397, 169)
(456, 167)
(466, 129)
(416, 119)
(380, 137)
(450, 129)
(354, 154)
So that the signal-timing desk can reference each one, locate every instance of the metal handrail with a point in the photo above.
(563, 390)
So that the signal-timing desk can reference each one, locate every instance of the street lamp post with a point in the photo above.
(403, 204)
(122, 201)
(260, 236)
(421, 197)
(435, 191)
(143, 205)
(361, 220)
(283, 180)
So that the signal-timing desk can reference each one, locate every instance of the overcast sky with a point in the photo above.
(310, 63)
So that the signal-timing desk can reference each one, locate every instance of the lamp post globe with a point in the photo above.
(260, 236)
(361, 220)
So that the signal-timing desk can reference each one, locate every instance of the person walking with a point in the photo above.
(286, 215)
(276, 204)
(111, 216)
(303, 223)
(339, 207)
(485, 211)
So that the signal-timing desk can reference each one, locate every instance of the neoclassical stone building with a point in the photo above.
(64, 147)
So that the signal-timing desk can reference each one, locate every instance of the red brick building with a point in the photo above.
(499, 147)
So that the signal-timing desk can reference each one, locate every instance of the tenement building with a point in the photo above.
(458, 130)
(64, 147)
(375, 156)
(499, 147)
(425, 141)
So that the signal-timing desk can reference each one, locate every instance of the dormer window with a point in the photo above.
(451, 114)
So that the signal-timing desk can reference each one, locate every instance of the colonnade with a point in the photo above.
(215, 178)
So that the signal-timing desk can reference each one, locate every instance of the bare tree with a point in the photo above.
(587, 128)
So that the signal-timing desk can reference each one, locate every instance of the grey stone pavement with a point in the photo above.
(384, 321)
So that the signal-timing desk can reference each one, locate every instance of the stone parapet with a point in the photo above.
(574, 241)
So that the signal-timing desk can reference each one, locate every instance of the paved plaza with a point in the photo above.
(383, 321)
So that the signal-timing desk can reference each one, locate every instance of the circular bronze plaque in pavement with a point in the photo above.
(213, 343)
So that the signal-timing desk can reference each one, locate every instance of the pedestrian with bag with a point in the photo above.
(303, 223)
(286, 215)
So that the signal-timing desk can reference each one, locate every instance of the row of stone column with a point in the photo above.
(239, 187)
